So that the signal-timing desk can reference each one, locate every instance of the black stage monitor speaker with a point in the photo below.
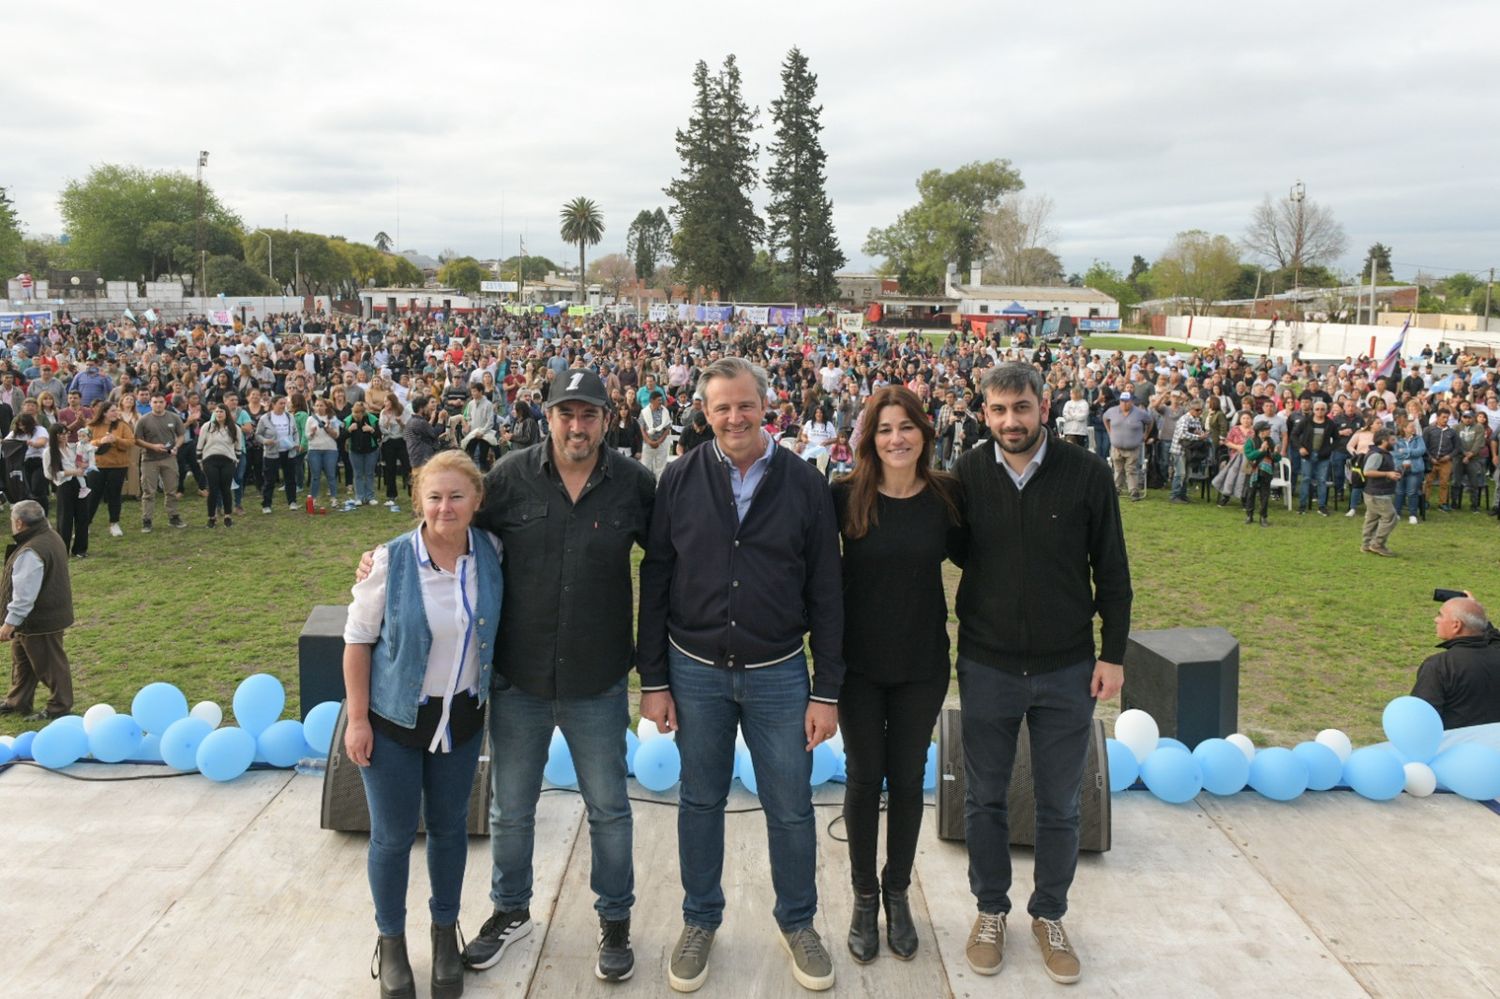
(1094, 815)
(344, 805)
(1188, 679)
(320, 656)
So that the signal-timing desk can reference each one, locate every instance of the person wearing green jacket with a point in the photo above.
(1260, 459)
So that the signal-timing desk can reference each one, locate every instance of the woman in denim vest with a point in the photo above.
(417, 659)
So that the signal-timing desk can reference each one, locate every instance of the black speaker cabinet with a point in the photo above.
(1094, 832)
(320, 656)
(344, 805)
(1188, 679)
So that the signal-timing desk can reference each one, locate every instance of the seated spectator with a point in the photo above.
(1462, 681)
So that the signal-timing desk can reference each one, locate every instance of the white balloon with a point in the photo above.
(96, 714)
(207, 711)
(647, 731)
(1336, 741)
(1138, 731)
(7, 740)
(1243, 744)
(1420, 780)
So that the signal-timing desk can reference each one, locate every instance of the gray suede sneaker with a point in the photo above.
(688, 969)
(811, 965)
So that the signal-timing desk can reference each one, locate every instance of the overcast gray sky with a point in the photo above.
(1138, 119)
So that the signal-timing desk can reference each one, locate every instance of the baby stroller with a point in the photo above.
(13, 454)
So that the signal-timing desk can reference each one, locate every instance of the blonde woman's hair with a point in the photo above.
(445, 461)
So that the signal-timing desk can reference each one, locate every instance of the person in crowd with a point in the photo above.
(478, 426)
(67, 466)
(220, 447)
(114, 444)
(1075, 418)
(424, 436)
(1314, 443)
(393, 460)
(1381, 475)
(1261, 460)
(362, 431)
(36, 593)
(898, 518)
(1442, 448)
(695, 431)
(721, 643)
(192, 415)
(416, 687)
(1189, 433)
(33, 467)
(1130, 432)
(1026, 651)
(841, 455)
(1462, 681)
(1473, 460)
(1409, 449)
(323, 431)
(1232, 478)
(282, 444)
(524, 430)
(656, 434)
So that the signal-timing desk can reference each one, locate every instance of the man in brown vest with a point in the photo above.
(36, 594)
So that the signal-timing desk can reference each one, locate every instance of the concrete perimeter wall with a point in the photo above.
(1323, 340)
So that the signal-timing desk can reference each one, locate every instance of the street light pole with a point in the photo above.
(1298, 193)
(202, 282)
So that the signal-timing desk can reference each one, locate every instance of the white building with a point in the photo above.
(985, 303)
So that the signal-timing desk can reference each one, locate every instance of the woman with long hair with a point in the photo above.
(897, 516)
(393, 447)
(220, 444)
(114, 442)
(66, 465)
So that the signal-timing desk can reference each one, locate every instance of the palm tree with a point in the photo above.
(382, 242)
(582, 223)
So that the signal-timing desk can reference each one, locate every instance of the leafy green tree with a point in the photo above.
(1196, 267)
(1381, 254)
(612, 272)
(108, 212)
(800, 213)
(1103, 277)
(401, 273)
(464, 273)
(648, 241)
(717, 228)
(38, 256)
(229, 275)
(307, 262)
(945, 226)
(529, 266)
(582, 223)
(383, 242)
(12, 252)
(1139, 268)
(1457, 286)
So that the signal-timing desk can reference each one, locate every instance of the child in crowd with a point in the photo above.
(840, 455)
(1261, 457)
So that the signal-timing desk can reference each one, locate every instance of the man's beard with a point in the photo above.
(1025, 445)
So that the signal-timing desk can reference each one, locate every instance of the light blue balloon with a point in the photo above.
(559, 769)
(282, 744)
(658, 764)
(1167, 740)
(180, 742)
(747, 769)
(150, 749)
(1375, 772)
(115, 738)
(157, 706)
(258, 702)
(929, 772)
(69, 721)
(58, 746)
(318, 726)
(1324, 768)
(823, 764)
(22, 746)
(225, 753)
(632, 746)
(1278, 774)
(1469, 770)
(1172, 775)
(1225, 769)
(6, 754)
(1123, 768)
(1414, 727)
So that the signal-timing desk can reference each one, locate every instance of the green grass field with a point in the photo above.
(1328, 635)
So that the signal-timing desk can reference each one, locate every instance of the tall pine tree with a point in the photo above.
(717, 228)
(800, 214)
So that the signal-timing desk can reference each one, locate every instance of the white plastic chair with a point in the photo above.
(1283, 481)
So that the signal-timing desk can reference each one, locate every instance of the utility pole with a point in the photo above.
(1298, 193)
(1372, 290)
(297, 264)
(201, 283)
(1488, 289)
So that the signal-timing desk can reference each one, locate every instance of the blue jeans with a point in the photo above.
(1101, 442)
(1179, 475)
(520, 733)
(364, 474)
(239, 480)
(1314, 471)
(1409, 491)
(399, 782)
(323, 464)
(770, 706)
(1336, 462)
(1059, 713)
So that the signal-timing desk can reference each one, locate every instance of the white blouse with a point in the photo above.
(449, 600)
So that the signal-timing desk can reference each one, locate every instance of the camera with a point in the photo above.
(1443, 596)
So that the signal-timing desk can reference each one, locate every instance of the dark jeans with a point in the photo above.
(1314, 475)
(1408, 493)
(1336, 462)
(770, 705)
(219, 472)
(1059, 711)
(286, 466)
(520, 733)
(187, 463)
(74, 516)
(1101, 442)
(399, 782)
(108, 485)
(887, 729)
(36, 483)
(393, 457)
(1260, 491)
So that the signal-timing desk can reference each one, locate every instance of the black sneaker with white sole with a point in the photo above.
(616, 960)
(496, 936)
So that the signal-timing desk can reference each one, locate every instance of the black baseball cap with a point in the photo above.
(578, 385)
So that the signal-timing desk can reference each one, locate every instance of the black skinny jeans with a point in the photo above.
(1260, 489)
(887, 729)
(393, 458)
(74, 516)
(108, 484)
(287, 467)
(219, 472)
(36, 483)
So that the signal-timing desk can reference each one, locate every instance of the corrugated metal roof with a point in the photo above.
(1054, 293)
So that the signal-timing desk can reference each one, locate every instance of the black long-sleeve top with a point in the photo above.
(1040, 562)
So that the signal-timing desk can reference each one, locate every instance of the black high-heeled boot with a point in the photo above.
(864, 933)
(900, 930)
(447, 963)
(391, 965)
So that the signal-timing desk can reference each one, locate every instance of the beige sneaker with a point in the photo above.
(1058, 958)
(986, 947)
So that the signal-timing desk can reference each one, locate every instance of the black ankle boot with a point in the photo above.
(864, 934)
(447, 963)
(392, 967)
(900, 931)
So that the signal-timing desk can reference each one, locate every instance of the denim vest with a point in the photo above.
(398, 663)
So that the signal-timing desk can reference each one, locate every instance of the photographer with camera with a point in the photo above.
(159, 434)
(1463, 680)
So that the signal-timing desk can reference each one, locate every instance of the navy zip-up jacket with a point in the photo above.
(734, 594)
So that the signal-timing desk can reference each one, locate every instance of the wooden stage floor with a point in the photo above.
(187, 888)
